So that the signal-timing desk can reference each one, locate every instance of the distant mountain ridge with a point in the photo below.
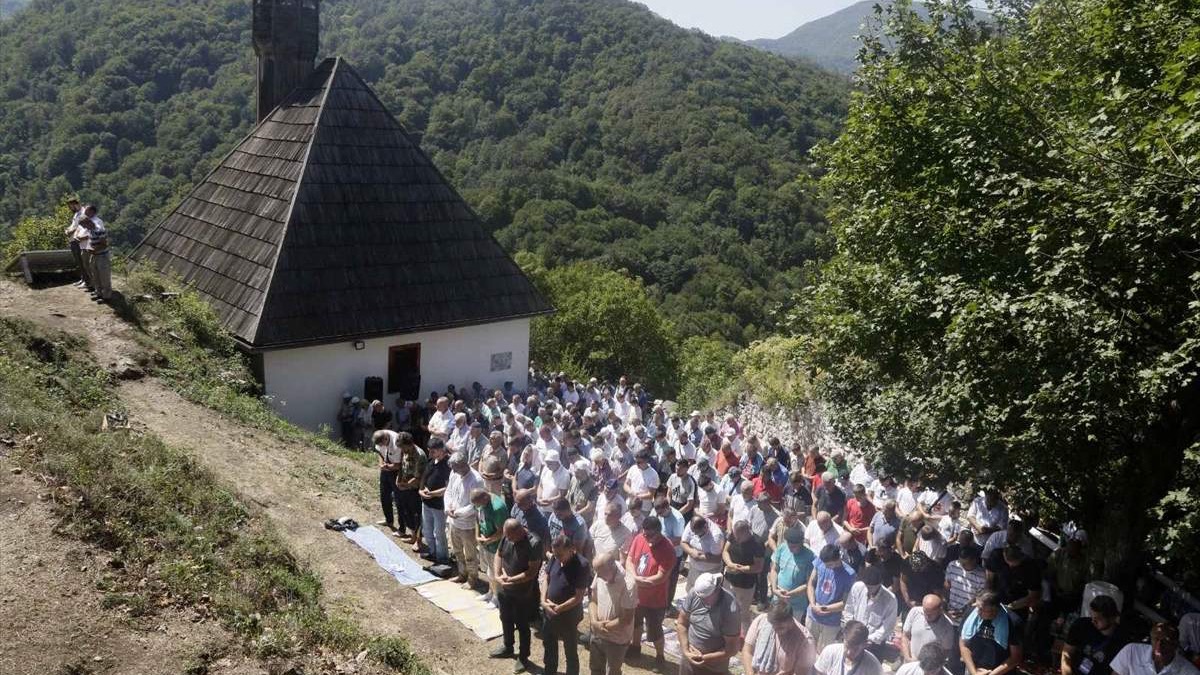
(831, 41)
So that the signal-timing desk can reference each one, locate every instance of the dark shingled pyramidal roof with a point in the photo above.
(329, 223)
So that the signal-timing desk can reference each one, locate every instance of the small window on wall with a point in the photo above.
(404, 371)
(501, 361)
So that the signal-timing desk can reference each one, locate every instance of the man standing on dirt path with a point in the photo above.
(461, 514)
(390, 458)
(515, 569)
(408, 481)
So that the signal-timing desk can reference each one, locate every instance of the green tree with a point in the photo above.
(605, 325)
(37, 233)
(1014, 295)
(705, 371)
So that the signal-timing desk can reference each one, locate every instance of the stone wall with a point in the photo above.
(806, 425)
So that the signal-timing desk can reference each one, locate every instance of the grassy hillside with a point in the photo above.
(579, 129)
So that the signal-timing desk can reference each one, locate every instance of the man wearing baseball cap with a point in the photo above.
(708, 628)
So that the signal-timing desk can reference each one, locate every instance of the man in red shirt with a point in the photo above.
(768, 481)
(859, 513)
(650, 561)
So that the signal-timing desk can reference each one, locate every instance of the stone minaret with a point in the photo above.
(286, 35)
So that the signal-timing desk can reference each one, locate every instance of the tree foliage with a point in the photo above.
(1014, 295)
(606, 326)
(578, 129)
(37, 233)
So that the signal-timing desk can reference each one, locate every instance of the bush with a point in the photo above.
(605, 325)
(705, 372)
(38, 233)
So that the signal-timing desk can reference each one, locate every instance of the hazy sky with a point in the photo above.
(745, 19)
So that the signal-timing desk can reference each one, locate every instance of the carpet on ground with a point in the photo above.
(388, 555)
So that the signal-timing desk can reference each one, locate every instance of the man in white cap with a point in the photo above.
(708, 627)
(583, 491)
(553, 482)
(461, 514)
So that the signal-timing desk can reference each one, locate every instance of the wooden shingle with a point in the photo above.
(328, 223)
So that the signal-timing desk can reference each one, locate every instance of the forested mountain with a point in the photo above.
(831, 41)
(579, 129)
(8, 7)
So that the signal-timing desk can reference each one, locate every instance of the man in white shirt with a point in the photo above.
(684, 448)
(462, 516)
(553, 483)
(711, 502)
(1160, 657)
(458, 434)
(931, 660)
(926, 626)
(874, 605)
(850, 657)
(76, 245)
(988, 514)
(864, 474)
(642, 480)
(703, 543)
(441, 422)
(610, 534)
(821, 532)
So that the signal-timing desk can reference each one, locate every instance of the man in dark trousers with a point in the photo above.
(515, 569)
(568, 577)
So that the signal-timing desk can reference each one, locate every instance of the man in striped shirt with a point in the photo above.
(965, 578)
(98, 257)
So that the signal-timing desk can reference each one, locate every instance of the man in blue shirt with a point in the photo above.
(791, 567)
(672, 529)
(828, 586)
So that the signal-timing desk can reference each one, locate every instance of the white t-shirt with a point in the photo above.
(710, 501)
(390, 452)
(1138, 659)
(639, 481)
(832, 661)
(816, 540)
(914, 668)
(711, 542)
(996, 516)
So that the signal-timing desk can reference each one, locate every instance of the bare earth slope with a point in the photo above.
(296, 486)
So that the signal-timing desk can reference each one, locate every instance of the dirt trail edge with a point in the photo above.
(296, 486)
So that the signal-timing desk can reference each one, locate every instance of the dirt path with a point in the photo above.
(296, 486)
(52, 615)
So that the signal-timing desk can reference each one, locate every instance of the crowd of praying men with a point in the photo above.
(591, 499)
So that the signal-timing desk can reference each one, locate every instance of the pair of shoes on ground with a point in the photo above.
(522, 665)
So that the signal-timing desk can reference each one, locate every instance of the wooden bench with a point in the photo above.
(33, 263)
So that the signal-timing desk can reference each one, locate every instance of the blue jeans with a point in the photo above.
(433, 527)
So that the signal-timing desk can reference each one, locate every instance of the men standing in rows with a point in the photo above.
(828, 585)
(708, 628)
(791, 567)
(703, 543)
(1161, 657)
(988, 514)
(461, 514)
(744, 558)
(850, 657)
(609, 534)
(490, 513)
(612, 606)
(988, 643)
(568, 578)
(650, 561)
(929, 626)
(433, 506)
(874, 606)
(1094, 641)
(515, 569)
(777, 643)
(390, 458)
(408, 483)
(965, 580)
